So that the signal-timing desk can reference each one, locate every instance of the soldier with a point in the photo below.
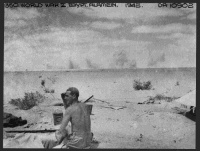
(76, 113)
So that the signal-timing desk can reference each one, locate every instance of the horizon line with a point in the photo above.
(75, 70)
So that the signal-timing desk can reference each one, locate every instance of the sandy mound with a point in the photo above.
(124, 125)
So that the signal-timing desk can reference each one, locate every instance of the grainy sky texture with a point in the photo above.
(63, 38)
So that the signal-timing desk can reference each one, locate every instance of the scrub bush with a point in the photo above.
(137, 85)
(30, 100)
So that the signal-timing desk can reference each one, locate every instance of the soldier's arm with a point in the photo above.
(63, 99)
(61, 133)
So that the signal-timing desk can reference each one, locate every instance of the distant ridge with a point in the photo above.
(110, 69)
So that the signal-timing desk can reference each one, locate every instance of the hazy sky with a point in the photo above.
(99, 37)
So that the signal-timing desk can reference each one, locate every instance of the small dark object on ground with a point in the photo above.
(43, 83)
(140, 138)
(49, 90)
(177, 83)
(94, 144)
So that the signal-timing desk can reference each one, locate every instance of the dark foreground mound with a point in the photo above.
(10, 120)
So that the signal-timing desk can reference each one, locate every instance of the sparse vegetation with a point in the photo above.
(158, 98)
(30, 100)
(162, 97)
(142, 85)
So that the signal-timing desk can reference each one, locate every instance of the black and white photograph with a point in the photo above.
(99, 75)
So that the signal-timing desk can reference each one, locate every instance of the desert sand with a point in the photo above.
(119, 121)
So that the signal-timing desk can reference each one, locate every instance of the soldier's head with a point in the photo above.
(73, 91)
(71, 95)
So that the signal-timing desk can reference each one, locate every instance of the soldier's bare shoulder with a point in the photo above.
(73, 108)
(70, 110)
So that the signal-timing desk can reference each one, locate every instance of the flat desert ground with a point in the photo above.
(117, 120)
